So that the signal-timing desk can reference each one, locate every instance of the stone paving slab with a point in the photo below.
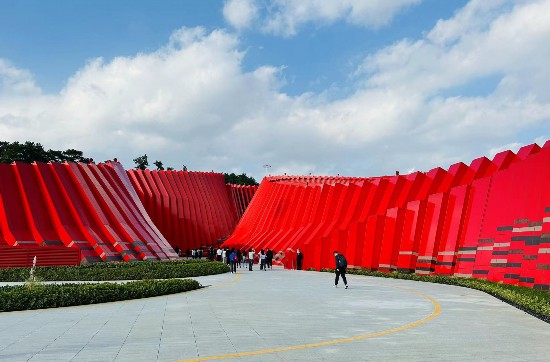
(278, 308)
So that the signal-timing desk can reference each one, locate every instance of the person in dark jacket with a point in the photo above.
(262, 260)
(269, 259)
(233, 260)
(299, 259)
(239, 257)
(341, 265)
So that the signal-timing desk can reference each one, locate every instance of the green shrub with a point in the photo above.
(534, 302)
(118, 271)
(37, 296)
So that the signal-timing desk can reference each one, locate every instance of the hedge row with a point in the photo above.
(37, 296)
(534, 302)
(137, 270)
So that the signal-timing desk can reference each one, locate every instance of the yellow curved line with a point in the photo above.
(436, 311)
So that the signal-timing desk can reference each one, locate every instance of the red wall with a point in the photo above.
(489, 219)
(90, 208)
(22, 256)
(240, 196)
(191, 209)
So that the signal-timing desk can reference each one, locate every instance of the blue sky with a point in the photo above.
(53, 39)
(351, 87)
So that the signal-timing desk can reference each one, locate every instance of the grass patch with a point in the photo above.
(534, 302)
(38, 296)
(137, 270)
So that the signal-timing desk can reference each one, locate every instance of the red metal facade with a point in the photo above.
(90, 208)
(23, 256)
(240, 196)
(489, 219)
(191, 209)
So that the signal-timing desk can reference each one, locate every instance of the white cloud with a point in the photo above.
(240, 13)
(16, 81)
(286, 17)
(191, 103)
(514, 147)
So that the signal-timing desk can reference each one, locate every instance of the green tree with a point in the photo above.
(73, 155)
(29, 152)
(241, 179)
(141, 162)
(159, 166)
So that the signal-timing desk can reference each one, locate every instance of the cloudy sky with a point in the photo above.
(350, 87)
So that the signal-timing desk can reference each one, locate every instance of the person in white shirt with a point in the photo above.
(250, 259)
(219, 254)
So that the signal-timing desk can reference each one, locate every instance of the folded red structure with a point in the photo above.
(241, 195)
(191, 209)
(489, 219)
(93, 210)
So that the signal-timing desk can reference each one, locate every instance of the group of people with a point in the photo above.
(241, 258)
(197, 253)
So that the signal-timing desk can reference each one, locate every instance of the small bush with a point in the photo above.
(534, 302)
(38, 296)
(137, 270)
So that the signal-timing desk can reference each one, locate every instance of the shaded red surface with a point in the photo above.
(191, 209)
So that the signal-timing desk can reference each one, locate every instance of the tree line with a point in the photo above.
(241, 179)
(29, 152)
(142, 162)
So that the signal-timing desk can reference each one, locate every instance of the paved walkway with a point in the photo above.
(283, 315)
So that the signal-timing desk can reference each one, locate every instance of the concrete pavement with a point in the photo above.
(282, 315)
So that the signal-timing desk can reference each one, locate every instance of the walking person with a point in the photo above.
(193, 254)
(233, 261)
(219, 254)
(239, 257)
(341, 265)
(269, 258)
(224, 255)
(299, 259)
(250, 258)
(262, 260)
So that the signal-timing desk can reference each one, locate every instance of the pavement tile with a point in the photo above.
(282, 308)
